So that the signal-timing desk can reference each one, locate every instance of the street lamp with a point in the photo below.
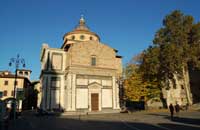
(16, 61)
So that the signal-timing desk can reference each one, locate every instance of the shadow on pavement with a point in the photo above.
(93, 123)
(180, 119)
(187, 120)
(178, 126)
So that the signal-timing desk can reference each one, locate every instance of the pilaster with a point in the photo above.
(114, 92)
(73, 92)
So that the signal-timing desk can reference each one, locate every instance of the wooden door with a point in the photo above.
(95, 101)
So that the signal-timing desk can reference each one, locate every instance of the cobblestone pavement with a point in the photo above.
(145, 120)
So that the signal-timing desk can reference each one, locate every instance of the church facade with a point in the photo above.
(81, 75)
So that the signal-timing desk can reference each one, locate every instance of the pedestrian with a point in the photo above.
(171, 108)
(177, 109)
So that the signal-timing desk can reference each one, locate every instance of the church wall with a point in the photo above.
(86, 83)
(86, 70)
(118, 64)
(106, 82)
(62, 92)
(82, 54)
(73, 92)
(67, 59)
(94, 80)
(53, 60)
(117, 96)
(52, 88)
(82, 81)
(53, 65)
(107, 98)
(70, 98)
(43, 86)
(56, 61)
(44, 56)
(48, 91)
(70, 78)
(82, 98)
(115, 93)
(55, 99)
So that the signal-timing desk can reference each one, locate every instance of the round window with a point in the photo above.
(82, 37)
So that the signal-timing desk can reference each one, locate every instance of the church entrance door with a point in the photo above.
(95, 101)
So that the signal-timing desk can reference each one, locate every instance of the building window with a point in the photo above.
(5, 93)
(26, 73)
(93, 61)
(6, 82)
(20, 72)
(12, 93)
(91, 38)
(73, 37)
(82, 37)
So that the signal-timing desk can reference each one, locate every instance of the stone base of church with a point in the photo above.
(106, 111)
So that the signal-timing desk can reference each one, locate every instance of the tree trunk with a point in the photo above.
(186, 81)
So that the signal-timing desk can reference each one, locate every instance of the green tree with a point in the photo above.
(150, 64)
(176, 40)
(176, 48)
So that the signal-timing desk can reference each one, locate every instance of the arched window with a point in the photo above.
(91, 38)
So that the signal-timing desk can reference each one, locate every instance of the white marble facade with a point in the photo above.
(82, 75)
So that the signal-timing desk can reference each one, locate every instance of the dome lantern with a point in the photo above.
(80, 33)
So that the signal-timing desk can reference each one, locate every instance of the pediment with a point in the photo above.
(94, 85)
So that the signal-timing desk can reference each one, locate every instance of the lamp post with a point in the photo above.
(16, 61)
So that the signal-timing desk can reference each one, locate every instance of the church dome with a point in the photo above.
(81, 33)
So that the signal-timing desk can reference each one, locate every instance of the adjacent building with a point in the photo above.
(23, 86)
(81, 75)
(37, 94)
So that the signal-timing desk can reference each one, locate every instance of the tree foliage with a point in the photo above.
(136, 89)
(176, 45)
(150, 63)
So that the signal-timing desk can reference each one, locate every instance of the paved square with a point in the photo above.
(135, 121)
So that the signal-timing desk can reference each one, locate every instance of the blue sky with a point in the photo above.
(127, 25)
